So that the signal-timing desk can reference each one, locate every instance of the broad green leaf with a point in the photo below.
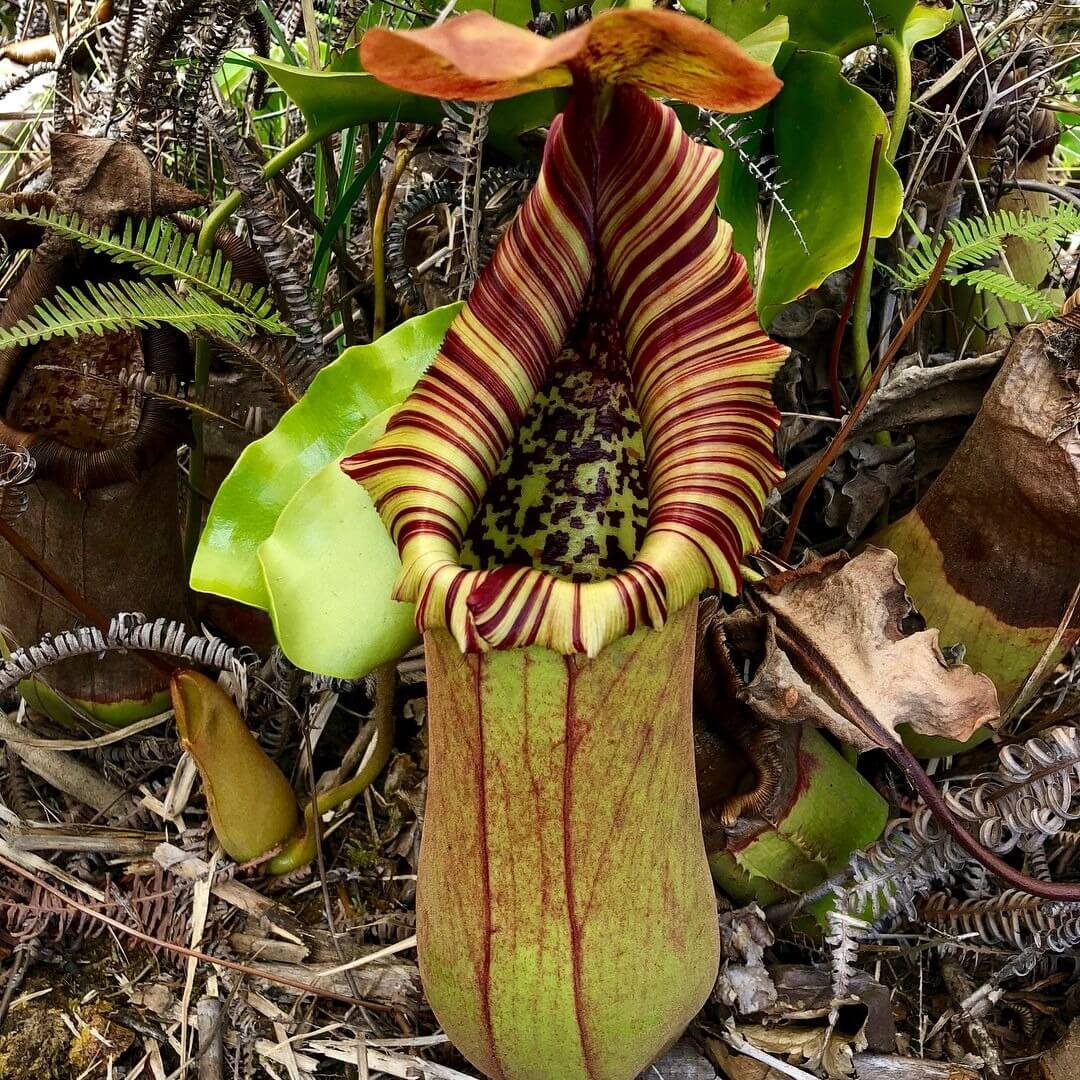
(927, 22)
(344, 396)
(738, 193)
(518, 12)
(824, 129)
(344, 95)
(836, 26)
(329, 568)
(764, 44)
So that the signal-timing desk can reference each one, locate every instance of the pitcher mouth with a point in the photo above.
(623, 195)
(43, 403)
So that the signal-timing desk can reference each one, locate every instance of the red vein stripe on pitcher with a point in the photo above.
(634, 196)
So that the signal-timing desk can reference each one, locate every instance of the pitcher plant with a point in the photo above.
(590, 450)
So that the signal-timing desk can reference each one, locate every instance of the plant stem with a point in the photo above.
(860, 323)
(902, 67)
(841, 436)
(303, 848)
(207, 235)
(859, 275)
(227, 207)
(378, 243)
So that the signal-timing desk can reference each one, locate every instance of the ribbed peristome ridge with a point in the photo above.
(622, 192)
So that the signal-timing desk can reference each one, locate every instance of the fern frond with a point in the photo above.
(158, 248)
(976, 240)
(1008, 289)
(102, 307)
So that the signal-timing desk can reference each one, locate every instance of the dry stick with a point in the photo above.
(72, 595)
(841, 436)
(320, 861)
(183, 950)
(853, 288)
(1035, 679)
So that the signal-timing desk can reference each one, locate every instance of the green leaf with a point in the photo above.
(347, 199)
(764, 45)
(329, 568)
(345, 395)
(1007, 288)
(824, 135)
(926, 22)
(104, 306)
(976, 240)
(836, 26)
(344, 95)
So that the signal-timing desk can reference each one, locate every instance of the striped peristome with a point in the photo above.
(632, 198)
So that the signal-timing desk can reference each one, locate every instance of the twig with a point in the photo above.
(742, 1045)
(320, 859)
(99, 741)
(211, 1041)
(1034, 680)
(841, 436)
(23, 957)
(860, 269)
(906, 761)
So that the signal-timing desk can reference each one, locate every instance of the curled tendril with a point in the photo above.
(16, 469)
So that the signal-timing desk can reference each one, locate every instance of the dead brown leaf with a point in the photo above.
(841, 657)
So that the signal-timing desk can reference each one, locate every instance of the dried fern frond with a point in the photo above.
(843, 937)
(159, 248)
(219, 34)
(271, 240)
(464, 132)
(19, 79)
(1029, 799)
(1011, 918)
(128, 630)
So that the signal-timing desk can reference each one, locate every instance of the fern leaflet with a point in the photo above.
(1009, 289)
(102, 307)
(159, 248)
(976, 240)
